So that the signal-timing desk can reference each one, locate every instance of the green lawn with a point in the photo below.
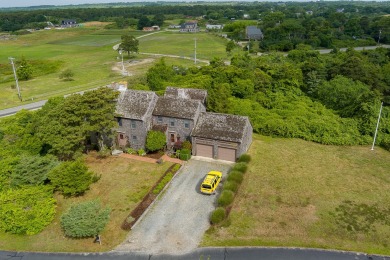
(292, 189)
(123, 184)
(88, 53)
(208, 46)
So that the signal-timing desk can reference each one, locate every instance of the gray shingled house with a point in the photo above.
(221, 136)
(179, 115)
(134, 115)
(253, 33)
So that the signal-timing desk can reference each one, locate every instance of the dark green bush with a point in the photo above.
(235, 176)
(226, 198)
(218, 215)
(241, 167)
(155, 140)
(244, 158)
(185, 154)
(230, 185)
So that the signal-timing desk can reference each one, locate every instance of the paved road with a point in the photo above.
(205, 254)
(177, 221)
(13, 110)
(326, 51)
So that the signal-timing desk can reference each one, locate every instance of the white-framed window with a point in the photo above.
(172, 123)
(133, 124)
(159, 119)
(187, 124)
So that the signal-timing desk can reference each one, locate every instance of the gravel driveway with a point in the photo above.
(177, 221)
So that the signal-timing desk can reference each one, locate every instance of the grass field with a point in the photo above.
(183, 44)
(122, 186)
(292, 189)
(88, 52)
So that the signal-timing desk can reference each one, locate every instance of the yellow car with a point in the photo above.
(210, 182)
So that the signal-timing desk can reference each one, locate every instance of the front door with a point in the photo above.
(122, 140)
(172, 138)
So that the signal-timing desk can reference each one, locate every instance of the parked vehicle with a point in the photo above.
(210, 182)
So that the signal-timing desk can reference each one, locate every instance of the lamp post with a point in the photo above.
(16, 77)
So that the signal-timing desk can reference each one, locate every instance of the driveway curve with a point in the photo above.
(177, 221)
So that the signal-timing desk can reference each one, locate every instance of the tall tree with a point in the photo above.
(129, 44)
(143, 22)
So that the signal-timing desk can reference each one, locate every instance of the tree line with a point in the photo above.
(329, 99)
(285, 25)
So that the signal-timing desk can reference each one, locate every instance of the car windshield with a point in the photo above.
(206, 186)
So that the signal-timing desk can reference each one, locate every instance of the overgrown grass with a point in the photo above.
(122, 186)
(299, 193)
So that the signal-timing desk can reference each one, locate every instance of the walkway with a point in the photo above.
(165, 158)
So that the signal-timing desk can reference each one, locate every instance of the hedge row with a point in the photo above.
(230, 187)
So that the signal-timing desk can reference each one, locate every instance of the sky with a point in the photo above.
(24, 3)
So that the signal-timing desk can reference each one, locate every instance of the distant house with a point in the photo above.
(67, 23)
(253, 33)
(181, 115)
(174, 26)
(189, 27)
(309, 12)
(151, 29)
(214, 27)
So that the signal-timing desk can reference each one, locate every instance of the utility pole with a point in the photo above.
(16, 77)
(379, 37)
(195, 52)
(377, 126)
(123, 66)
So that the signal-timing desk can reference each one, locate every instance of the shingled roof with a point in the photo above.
(188, 93)
(221, 127)
(176, 107)
(135, 104)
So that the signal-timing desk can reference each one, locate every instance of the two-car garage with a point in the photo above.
(221, 136)
(215, 151)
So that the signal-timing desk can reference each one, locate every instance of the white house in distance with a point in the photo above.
(210, 27)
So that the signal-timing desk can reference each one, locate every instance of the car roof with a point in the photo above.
(211, 176)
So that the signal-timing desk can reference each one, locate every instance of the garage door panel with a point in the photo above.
(227, 154)
(204, 150)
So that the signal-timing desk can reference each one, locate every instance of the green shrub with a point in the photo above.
(85, 219)
(141, 152)
(230, 185)
(218, 215)
(155, 140)
(187, 145)
(160, 186)
(176, 167)
(185, 154)
(130, 151)
(246, 158)
(235, 176)
(71, 178)
(27, 210)
(241, 167)
(226, 198)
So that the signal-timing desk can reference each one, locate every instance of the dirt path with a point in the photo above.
(177, 221)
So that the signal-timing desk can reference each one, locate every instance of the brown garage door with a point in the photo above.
(227, 154)
(204, 150)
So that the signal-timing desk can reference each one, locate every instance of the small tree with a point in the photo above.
(230, 45)
(129, 44)
(67, 75)
(25, 70)
(155, 140)
(85, 219)
(71, 178)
